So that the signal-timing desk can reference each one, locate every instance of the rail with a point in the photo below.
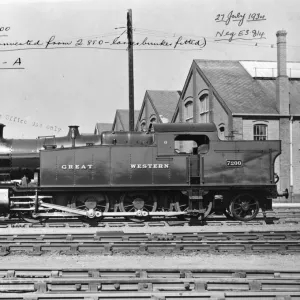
(154, 284)
(118, 242)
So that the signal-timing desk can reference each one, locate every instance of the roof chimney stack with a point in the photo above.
(1, 130)
(282, 81)
(283, 106)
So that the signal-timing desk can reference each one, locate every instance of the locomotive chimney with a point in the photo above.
(73, 133)
(1, 130)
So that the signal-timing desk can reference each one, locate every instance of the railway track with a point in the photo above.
(278, 216)
(133, 243)
(154, 284)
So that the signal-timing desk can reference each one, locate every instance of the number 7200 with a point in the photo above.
(234, 163)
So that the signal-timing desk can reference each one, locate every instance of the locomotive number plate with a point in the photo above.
(234, 163)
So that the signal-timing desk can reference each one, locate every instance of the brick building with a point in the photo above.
(121, 120)
(252, 100)
(100, 127)
(157, 107)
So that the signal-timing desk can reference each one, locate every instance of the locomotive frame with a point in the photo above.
(141, 174)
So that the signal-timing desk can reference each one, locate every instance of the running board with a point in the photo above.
(30, 197)
(54, 215)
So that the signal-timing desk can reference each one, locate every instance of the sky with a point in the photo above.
(46, 87)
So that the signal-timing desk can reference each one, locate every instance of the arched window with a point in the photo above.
(222, 131)
(143, 125)
(152, 121)
(260, 132)
(204, 108)
(189, 111)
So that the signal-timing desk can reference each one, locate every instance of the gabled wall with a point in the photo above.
(220, 117)
(151, 112)
(118, 125)
(146, 113)
(194, 87)
(186, 96)
(176, 117)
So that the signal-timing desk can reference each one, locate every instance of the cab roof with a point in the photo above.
(185, 127)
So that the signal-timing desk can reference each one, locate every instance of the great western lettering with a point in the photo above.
(149, 166)
(77, 167)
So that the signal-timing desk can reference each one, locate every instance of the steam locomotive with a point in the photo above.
(179, 169)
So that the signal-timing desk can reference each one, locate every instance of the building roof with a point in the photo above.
(243, 93)
(123, 115)
(268, 69)
(164, 102)
(100, 127)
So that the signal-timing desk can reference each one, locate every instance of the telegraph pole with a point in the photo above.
(130, 70)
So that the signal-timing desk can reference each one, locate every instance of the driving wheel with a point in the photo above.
(244, 207)
(138, 202)
(93, 203)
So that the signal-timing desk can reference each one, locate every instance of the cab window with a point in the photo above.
(191, 144)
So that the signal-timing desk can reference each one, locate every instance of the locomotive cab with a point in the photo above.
(190, 142)
(184, 138)
(235, 176)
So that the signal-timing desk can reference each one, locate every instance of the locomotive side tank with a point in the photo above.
(19, 157)
(149, 160)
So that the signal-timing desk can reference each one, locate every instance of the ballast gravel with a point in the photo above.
(192, 261)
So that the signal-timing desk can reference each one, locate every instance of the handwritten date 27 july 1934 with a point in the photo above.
(240, 18)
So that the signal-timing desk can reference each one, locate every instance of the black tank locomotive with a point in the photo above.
(176, 170)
